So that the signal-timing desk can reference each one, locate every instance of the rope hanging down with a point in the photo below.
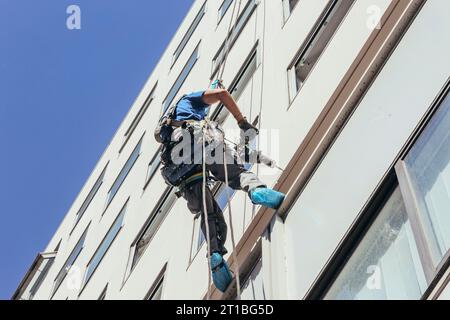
(205, 123)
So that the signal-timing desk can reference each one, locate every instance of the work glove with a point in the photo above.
(245, 126)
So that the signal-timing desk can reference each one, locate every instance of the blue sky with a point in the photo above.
(63, 93)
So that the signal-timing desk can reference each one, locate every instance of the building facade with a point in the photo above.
(352, 99)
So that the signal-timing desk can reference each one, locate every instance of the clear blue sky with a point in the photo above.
(62, 96)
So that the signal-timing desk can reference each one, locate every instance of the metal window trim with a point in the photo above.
(154, 158)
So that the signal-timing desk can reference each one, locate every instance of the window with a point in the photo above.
(224, 8)
(427, 168)
(315, 44)
(151, 226)
(138, 117)
(89, 197)
(102, 295)
(155, 292)
(181, 78)
(124, 172)
(233, 36)
(386, 264)
(36, 275)
(407, 244)
(189, 33)
(153, 167)
(239, 84)
(288, 7)
(70, 261)
(105, 245)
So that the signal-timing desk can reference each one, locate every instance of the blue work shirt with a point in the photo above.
(191, 107)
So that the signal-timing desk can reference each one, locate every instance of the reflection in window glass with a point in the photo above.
(288, 7)
(224, 8)
(428, 165)
(104, 246)
(386, 263)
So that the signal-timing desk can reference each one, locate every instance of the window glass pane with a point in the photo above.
(153, 166)
(189, 33)
(155, 220)
(70, 261)
(235, 32)
(90, 196)
(181, 78)
(124, 172)
(138, 117)
(386, 263)
(224, 8)
(104, 246)
(253, 288)
(428, 165)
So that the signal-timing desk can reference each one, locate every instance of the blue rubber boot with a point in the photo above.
(220, 272)
(267, 197)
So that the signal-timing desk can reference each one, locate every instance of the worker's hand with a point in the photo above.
(245, 126)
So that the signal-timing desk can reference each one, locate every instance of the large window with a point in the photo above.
(89, 197)
(189, 33)
(316, 43)
(181, 78)
(233, 36)
(138, 117)
(124, 172)
(70, 261)
(105, 245)
(156, 218)
(386, 264)
(409, 241)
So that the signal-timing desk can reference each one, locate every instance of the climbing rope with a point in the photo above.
(205, 212)
(233, 242)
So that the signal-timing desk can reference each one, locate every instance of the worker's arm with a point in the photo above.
(212, 96)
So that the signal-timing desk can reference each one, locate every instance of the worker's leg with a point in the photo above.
(216, 222)
(241, 179)
(238, 177)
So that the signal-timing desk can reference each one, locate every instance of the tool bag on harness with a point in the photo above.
(173, 174)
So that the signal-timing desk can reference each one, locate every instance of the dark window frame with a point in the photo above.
(311, 41)
(233, 35)
(157, 284)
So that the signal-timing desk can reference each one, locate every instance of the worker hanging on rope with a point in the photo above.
(184, 127)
